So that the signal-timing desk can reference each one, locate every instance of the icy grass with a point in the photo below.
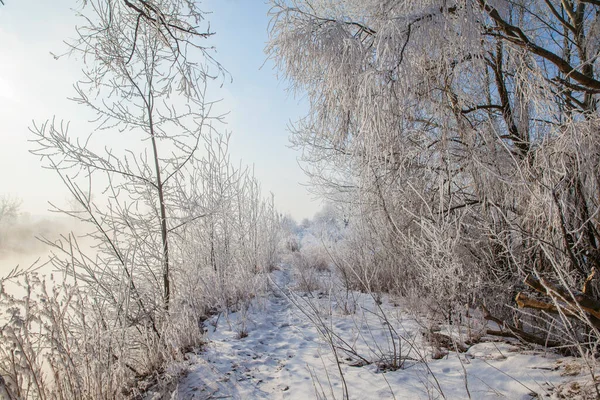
(299, 345)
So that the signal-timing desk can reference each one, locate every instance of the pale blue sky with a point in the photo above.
(35, 86)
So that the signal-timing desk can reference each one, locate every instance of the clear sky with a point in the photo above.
(35, 86)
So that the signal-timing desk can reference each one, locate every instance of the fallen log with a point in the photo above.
(508, 330)
(574, 297)
(524, 301)
(572, 302)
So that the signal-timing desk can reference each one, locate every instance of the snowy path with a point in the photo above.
(268, 363)
(284, 357)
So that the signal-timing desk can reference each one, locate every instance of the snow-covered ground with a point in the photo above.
(281, 348)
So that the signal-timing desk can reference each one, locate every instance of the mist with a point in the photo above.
(21, 237)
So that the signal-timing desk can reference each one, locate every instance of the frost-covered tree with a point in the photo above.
(9, 208)
(461, 132)
(142, 80)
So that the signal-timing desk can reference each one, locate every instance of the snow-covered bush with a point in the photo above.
(307, 276)
(315, 253)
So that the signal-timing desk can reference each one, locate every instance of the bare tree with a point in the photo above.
(140, 61)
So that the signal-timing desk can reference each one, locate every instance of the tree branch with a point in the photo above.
(516, 36)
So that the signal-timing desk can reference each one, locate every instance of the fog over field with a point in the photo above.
(22, 239)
